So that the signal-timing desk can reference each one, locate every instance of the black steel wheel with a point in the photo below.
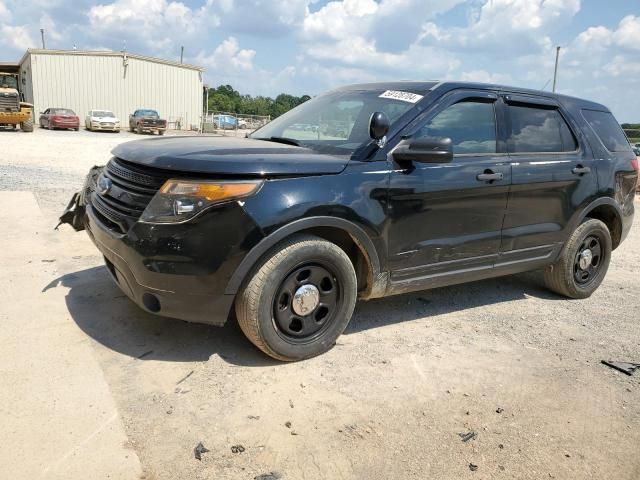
(299, 299)
(587, 260)
(306, 303)
(583, 262)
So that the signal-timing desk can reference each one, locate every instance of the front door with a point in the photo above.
(446, 219)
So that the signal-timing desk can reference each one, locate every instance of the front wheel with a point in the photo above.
(583, 263)
(27, 126)
(299, 300)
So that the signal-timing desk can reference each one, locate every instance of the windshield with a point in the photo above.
(147, 113)
(337, 121)
(62, 111)
(8, 81)
(102, 113)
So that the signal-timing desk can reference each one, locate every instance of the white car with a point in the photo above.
(102, 120)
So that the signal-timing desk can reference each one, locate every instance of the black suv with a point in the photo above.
(365, 191)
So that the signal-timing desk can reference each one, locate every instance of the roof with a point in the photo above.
(108, 53)
(424, 87)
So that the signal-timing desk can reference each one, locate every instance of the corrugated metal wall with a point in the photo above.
(86, 82)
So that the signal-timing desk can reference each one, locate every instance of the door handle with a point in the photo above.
(580, 170)
(489, 176)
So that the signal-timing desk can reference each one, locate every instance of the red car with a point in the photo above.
(59, 118)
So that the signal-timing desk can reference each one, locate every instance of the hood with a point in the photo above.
(230, 156)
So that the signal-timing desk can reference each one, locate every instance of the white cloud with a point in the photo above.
(483, 76)
(156, 22)
(5, 14)
(628, 33)
(228, 58)
(18, 37)
(50, 27)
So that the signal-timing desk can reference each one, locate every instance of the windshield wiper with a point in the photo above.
(285, 140)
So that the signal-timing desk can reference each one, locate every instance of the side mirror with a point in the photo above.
(379, 127)
(424, 150)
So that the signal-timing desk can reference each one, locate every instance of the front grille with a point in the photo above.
(9, 103)
(132, 189)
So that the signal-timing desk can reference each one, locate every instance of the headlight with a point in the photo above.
(180, 200)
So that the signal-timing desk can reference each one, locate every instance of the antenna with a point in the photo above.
(42, 36)
(181, 53)
(555, 71)
(545, 85)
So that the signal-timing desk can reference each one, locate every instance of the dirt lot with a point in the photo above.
(99, 389)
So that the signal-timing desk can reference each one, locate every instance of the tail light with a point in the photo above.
(634, 164)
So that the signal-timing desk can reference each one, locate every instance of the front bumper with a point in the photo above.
(108, 128)
(211, 309)
(179, 270)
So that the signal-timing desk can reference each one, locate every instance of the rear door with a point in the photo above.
(446, 219)
(553, 174)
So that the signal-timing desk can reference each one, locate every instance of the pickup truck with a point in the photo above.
(147, 121)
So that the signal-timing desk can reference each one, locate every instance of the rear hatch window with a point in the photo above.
(608, 130)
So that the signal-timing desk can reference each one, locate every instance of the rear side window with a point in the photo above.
(608, 130)
(535, 130)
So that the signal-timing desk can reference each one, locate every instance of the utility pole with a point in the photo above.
(555, 71)
(42, 36)
(181, 53)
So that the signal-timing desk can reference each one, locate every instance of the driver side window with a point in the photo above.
(471, 125)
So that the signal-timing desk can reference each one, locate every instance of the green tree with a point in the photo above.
(226, 99)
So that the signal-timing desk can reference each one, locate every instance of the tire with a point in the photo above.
(567, 276)
(27, 126)
(160, 132)
(130, 128)
(264, 306)
(139, 130)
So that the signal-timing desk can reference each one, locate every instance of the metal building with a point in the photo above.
(118, 81)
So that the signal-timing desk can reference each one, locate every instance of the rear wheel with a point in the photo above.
(583, 262)
(160, 132)
(299, 300)
(27, 126)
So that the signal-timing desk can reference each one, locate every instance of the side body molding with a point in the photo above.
(357, 233)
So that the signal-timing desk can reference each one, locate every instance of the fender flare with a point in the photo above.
(591, 206)
(356, 232)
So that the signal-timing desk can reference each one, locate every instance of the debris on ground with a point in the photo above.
(500, 446)
(199, 450)
(624, 367)
(237, 449)
(468, 436)
(290, 403)
(268, 476)
(184, 378)
(48, 260)
(145, 354)
(473, 467)
(253, 417)
(499, 410)
(287, 424)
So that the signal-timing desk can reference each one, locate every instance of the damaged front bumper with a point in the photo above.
(75, 213)
(169, 270)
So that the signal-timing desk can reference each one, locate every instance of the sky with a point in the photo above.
(266, 47)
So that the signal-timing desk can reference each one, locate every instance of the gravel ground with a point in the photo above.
(504, 359)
